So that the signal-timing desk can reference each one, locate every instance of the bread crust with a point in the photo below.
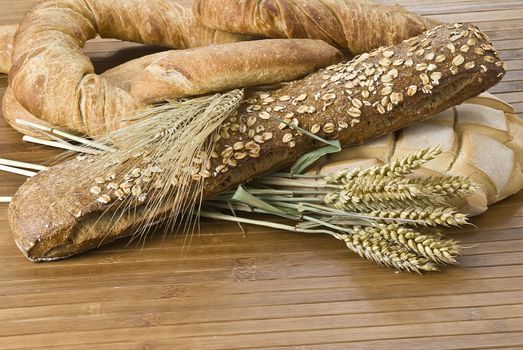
(61, 224)
(356, 25)
(225, 67)
(7, 33)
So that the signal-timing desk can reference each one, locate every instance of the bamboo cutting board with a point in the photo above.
(270, 289)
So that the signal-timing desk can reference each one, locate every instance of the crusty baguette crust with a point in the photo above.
(225, 67)
(357, 25)
(352, 101)
(120, 76)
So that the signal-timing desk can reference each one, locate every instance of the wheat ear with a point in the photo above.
(396, 168)
(160, 161)
(380, 250)
(433, 247)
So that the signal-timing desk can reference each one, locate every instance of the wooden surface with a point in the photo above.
(270, 290)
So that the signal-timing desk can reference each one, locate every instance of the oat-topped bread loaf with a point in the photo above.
(481, 139)
(356, 25)
(55, 215)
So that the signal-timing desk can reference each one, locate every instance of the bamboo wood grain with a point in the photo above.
(270, 290)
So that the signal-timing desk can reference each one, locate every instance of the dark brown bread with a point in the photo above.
(52, 216)
(357, 25)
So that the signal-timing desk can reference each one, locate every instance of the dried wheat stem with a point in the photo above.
(66, 135)
(23, 165)
(6, 199)
(224, 217)
(17, 171)
(61, 145)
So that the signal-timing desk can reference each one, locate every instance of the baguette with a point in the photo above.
(356, 25)
(224, 67)
(53, 215)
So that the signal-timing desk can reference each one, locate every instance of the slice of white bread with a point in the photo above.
(481, 139)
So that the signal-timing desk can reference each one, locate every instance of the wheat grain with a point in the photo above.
(396, 168)
(428, 216)
(433, 247)
(446, 186)
(161, 159)
(383, 252)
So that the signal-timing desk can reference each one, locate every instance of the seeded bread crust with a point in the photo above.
(354, 102)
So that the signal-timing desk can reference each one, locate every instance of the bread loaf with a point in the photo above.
(53, 80)
(356, 25)
(225, 67)
(53, 215)
(7, 33)
(120, 76)
(481, 139)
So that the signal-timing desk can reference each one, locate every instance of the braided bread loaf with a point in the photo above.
(481, 139)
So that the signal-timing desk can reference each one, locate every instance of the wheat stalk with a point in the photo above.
(396, 168)
(368, 209)
(15, 170)
(6, 199)
(163, 157)
(427, 216)
(455, 186)
(63, 145)
(22, 165)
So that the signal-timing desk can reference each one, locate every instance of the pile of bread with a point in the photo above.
(405, 69)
